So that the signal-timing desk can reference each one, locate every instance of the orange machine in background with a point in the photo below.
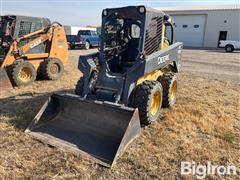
(30, 47)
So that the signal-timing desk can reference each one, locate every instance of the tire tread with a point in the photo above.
(142, 97)
(166, 81)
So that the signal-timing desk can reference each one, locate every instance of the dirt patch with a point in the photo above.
(203, 126)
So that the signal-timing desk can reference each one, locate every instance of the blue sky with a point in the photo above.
(88, 12)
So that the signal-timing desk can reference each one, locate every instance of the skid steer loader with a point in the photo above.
(124, 86)
(30, 47)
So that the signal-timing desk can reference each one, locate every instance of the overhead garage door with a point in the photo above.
(189, 29)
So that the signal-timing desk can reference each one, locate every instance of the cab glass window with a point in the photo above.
(135, 31)
(94, 33)
(84, 32)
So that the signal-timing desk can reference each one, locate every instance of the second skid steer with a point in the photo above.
(30, 47)
(124, 86)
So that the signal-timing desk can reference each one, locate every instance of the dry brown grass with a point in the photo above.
(203, 126)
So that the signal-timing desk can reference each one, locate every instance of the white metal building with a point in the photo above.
(204, 26)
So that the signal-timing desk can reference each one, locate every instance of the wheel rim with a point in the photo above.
(228, 48)
(173, 90)
(54, 69)
(155, 104)
(25, 74)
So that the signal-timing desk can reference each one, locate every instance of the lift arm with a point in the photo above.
(16, 52)
(35, 42)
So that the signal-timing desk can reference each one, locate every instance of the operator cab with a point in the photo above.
(7, 27)
(122, 36)
(121, 40)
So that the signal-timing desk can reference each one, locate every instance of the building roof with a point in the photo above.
(200, 8)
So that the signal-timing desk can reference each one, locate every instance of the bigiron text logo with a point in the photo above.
(201, 171)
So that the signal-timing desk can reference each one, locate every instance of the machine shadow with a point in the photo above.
(20, 110)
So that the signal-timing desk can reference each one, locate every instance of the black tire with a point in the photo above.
(169, 84)
(72, 46)
(91, 84)
(144, 97)
(229, 48)
(39, 73)
(21, 73)
(79, 86)
(52, 69)
(87, 45)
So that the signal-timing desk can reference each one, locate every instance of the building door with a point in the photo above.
(222, 36)
(189, 29)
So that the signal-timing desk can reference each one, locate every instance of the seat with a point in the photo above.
(131, 55)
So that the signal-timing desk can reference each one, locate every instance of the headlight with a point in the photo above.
(141, 9)
(105, 12)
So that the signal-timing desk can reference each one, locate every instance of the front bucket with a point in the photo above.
(99, 130)
(5, 83)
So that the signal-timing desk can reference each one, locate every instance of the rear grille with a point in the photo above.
(153, 37)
